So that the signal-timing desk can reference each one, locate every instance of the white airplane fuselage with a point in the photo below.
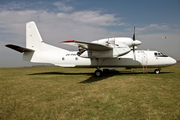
(71, 59)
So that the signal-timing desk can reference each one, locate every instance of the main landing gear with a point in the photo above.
(157, 71)
(98, 73)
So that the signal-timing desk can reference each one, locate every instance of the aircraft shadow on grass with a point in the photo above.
(113, 73)
(92, 78)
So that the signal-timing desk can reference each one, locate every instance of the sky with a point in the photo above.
(88, 20)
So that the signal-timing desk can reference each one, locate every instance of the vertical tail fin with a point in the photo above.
(33, 37)
(36, 50)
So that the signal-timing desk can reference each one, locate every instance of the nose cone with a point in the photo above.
(136, 42)
(172, 61)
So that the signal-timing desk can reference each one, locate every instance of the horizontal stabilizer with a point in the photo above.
(18, 48)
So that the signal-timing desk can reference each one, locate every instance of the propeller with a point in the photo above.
(134, 44)
(133, 37)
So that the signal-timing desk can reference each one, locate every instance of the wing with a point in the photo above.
(18, 48)
(88, 46)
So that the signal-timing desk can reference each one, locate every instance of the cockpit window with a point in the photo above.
(159, 54)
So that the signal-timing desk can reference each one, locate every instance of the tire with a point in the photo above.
(98, 73)
(156, 71)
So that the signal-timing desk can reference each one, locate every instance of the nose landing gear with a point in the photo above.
(157, 71)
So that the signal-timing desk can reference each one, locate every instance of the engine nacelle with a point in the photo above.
(120, 46)
(118, 41)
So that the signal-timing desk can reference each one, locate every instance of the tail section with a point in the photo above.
(35, 42)
(36, 50)
(41, 52)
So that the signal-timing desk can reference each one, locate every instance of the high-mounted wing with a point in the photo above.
(18, 48)
(88, 46)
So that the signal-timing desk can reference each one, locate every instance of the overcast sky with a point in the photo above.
(88, 20)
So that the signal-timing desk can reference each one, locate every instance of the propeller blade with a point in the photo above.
(134, 34)
(133, 45)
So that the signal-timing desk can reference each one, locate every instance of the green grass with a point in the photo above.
(74, 93)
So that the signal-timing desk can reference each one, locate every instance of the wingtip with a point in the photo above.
(8, 45)
(67, 41)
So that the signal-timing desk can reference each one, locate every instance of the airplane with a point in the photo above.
(164, 37)
(108, 53)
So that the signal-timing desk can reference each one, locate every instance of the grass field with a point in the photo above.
(71, 93)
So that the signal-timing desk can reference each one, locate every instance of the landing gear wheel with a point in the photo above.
(157, 71)
(98, 73)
